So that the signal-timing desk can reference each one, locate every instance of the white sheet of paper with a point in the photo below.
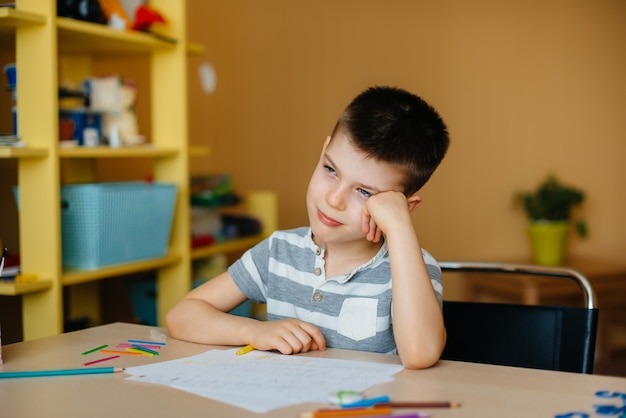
(261, 381)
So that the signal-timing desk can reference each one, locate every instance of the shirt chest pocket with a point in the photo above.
(357, 318)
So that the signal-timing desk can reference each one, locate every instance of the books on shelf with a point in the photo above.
(10, 141)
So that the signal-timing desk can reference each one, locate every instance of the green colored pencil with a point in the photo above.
(62, 372)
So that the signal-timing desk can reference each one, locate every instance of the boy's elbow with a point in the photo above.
(419, 362)
(173, 323)
(423, 357)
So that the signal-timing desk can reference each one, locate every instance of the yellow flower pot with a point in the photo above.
(548, 242)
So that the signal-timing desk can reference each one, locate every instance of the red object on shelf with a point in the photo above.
(202, 241)
(145, 17)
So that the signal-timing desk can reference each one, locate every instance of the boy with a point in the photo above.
(332, 284)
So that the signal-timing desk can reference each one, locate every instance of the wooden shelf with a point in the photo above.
(72, 277)
(142, 151)
(78, 36)
(17, 152)
(15, 289)
(240, 244)
(11, 19)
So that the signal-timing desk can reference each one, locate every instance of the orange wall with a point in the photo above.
(526, 88)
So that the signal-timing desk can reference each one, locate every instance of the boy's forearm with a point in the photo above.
(417, 317)
(197, 321)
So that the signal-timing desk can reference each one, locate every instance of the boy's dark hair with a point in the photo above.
(397, 127)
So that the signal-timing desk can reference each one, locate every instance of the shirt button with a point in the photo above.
(317, 297)
(318, 251)
(318, 271)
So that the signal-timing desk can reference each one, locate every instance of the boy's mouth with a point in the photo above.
(326, 220)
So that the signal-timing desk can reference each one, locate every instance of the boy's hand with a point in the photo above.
(289, 336)
(382, 212)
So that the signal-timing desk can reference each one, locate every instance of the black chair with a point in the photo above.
(534, 336)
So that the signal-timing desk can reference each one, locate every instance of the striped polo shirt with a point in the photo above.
(353, 311)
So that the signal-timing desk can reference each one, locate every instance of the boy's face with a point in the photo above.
(342, 181)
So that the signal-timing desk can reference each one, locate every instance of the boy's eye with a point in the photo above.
(364, 192)
(329, 169)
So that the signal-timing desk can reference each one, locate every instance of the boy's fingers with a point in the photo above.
(365, 223)
(316, 335)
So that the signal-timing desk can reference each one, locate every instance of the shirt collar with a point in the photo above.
(382, 252)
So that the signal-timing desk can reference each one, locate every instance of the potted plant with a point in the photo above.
(549, 211)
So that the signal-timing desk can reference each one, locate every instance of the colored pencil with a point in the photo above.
(140, 352)
(346, 412)
(62, 372)
(420, 414)
(151, 347)
(145, 350)
(426, 404)
(89, 363)
(95, 349)
(145, 342)
(128, 353)
(409, 415)
(244, 350)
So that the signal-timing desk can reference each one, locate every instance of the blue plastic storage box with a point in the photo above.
(112, 223)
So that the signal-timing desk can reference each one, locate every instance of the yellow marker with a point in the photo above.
(244, 350)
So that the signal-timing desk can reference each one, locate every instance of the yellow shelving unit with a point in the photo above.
(8, 152)
(143, 151)
(45, 43)
(40, 38)
(16, 289)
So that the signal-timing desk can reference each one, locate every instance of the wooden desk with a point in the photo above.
(484, 391)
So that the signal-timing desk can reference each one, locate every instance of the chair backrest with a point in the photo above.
(542, 337)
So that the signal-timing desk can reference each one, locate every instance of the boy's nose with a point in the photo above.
(336, 197)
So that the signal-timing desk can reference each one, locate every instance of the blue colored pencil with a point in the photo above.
(146, 342)
(144, 349)
(61, 372)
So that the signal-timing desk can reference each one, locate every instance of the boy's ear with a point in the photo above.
(414, 201)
